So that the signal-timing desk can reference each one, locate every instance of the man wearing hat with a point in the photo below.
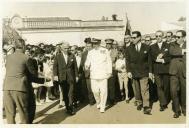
(100, 65)
(85, 74)
(65, 71)
(112, 80)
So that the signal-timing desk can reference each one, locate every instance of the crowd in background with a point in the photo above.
(120, 84)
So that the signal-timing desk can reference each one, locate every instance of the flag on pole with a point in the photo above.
(128, 27)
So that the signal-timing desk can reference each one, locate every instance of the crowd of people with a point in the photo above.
(101, 73)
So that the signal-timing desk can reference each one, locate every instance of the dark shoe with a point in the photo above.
(162, 108)
(176, 115)
(60, 106)
(71, 111)
(52, 97)
(139, 108)
(127, 101)
(135, 103)
(91, 103)
(147, 110)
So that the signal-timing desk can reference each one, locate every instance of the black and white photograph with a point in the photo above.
(94, 63)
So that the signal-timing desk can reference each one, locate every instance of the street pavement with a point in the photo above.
(121, 113)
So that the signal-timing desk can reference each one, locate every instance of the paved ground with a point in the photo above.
(121, 113)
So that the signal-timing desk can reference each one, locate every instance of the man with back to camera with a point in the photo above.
(17, 89)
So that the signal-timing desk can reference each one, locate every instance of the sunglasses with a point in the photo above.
(134, 37)
(178, 37)
(168, 36)
(158, 36)
(147, 40)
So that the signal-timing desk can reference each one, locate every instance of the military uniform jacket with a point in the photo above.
(158, 67)
(138, 62)
(100, 63)
(178, 60)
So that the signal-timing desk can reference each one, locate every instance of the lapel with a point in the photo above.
(63, 59)
(184, 45)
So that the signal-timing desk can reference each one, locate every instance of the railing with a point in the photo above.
(70, 24)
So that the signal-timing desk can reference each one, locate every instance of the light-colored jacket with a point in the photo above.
(100, 64)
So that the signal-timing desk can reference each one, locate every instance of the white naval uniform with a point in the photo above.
(100, 65)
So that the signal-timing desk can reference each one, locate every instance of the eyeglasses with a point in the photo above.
(178, 37)
(134, 37)
(158, 36)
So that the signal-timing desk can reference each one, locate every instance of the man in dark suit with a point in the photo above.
(160, 66)
(66, 72)
(177, 71)
(17, 89)
(112, 79)
(138, 67)
(85, 74)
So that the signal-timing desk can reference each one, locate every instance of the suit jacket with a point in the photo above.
(85, 73)
(19, 73)
(157, 67)
(65, 71)
(178, 60)
(138, 63)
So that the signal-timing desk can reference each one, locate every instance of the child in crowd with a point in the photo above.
(120, 66)
(48, 72)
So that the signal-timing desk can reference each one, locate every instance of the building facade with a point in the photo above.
(51, 30)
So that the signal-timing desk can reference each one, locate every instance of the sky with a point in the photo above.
(144, 16)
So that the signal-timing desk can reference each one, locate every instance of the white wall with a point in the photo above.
(71, 37)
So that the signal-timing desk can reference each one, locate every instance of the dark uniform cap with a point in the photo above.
(95, 41)
(87, 40)
(109, 41)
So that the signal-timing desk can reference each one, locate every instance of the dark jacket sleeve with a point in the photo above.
(55, 66)
(127, 56)
(75, 66)
(149, 59)
(32, 72)
(167, 57)
(175, 51)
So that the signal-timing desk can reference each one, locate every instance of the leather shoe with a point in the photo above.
(162, 108)
(139, 108)
(147, 111)
(127, 101)
(176, 115)
(60, 106)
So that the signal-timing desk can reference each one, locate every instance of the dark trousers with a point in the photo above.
(31, 106)
(13, 100)
(68, 92)
(178, 93)
(89, 91)
(111, 86)
(163, 88)
(141, 92)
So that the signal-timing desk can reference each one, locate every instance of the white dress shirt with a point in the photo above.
(65, 57)
(138, 46)
(160, 45)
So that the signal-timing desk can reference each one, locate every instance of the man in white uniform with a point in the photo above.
(100, 65)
